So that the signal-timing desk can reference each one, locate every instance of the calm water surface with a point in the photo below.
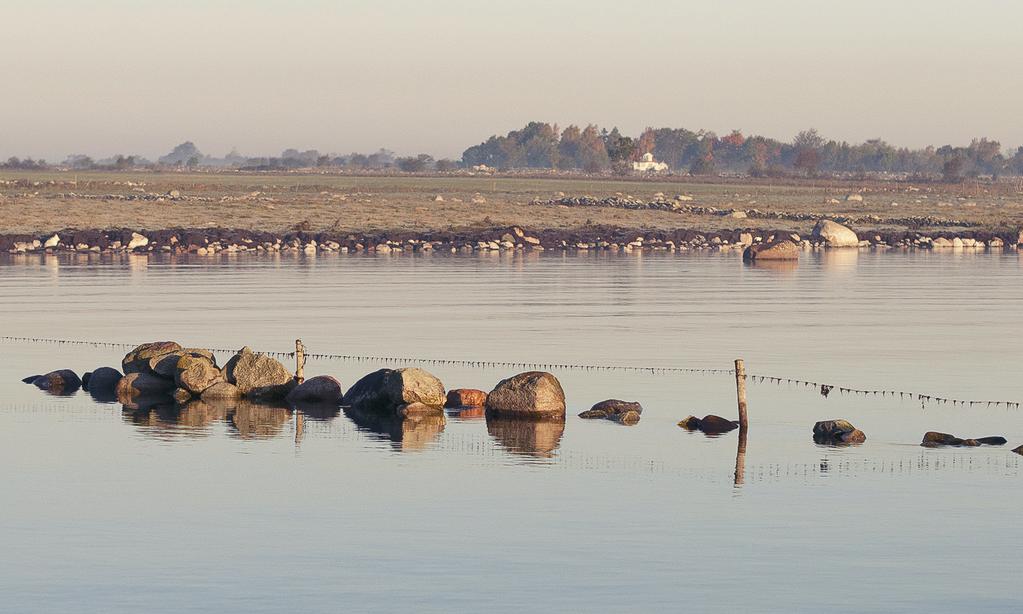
(256, 509)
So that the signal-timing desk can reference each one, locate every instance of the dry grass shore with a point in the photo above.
(39, 202)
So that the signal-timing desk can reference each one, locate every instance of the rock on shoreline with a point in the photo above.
(207, 241)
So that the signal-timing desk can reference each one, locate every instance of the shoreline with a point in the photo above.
(203, 241)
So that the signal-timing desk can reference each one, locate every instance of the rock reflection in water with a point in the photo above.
(257, 421)
(409, 434)
(536, 438)
(778, 266)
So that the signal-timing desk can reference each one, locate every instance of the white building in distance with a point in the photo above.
(647, 164)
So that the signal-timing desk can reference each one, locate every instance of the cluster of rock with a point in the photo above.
(681, 204)
(206, 241)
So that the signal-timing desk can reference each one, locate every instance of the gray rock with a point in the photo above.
(534, 394)
(258, 375)
(387, 390)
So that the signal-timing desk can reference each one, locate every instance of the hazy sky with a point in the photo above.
(109, 76)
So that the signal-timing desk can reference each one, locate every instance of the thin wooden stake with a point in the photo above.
(299, 361)
(740, 389)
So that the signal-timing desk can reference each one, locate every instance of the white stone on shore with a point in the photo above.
(137, 240)
(835, 235)
(53, 241)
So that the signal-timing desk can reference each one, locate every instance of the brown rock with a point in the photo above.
(781, 249)
(137, 360)
(258, 375)
(716, 424)
(466, 397)
(387, 390)
(167, 364)
(221, 391)
(834, 432)
(196, 373)
(319, 389)
(143, 384)
(534, 394)
(61, 381)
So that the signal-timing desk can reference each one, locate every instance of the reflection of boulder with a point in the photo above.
(200, 414)
(144, 402)
(538, 438)
(410, 433)
(781, 266)
(317, 411)
(257, 421)
(143, 384)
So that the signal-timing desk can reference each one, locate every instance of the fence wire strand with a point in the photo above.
(823, 388)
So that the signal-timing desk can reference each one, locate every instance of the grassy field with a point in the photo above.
(33, 202)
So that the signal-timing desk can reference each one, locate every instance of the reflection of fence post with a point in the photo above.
(299, 361)
(740, 390)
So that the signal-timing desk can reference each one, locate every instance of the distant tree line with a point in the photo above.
(543, 146)
(592, 149)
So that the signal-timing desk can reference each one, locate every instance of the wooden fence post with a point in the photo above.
(299, 361)
(740, 390)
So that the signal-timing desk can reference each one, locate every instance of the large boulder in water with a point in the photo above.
(834, 234)
(782, 249)
(166, 365)
(143, 384)
(394, 390)
(934, 439)
(533, 394)
(61, 381)
(623, 412)
(834, 432)
(319, 389)
(709, 424)
(103, 382)
(196, 373)
(138, 360)
(258, 375)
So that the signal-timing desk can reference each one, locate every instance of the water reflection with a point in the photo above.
(535, 438)
(257, 421)
(408, 434)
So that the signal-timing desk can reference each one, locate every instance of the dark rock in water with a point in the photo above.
(30, 379)
(103, 384)
(143, 384)
(466, 397)
(317, 411)
(61, 381)
(85, 379)
(220, 391)
(1019, 450)
(526, 437)
(138, 360)
(319, 389)
(782, 249)
(834, 432)
(624, 412)
(934, 439)
(387, 390)
(258, 375)
(196, 373)
(709, 424)
(534, 394)
(408, 433)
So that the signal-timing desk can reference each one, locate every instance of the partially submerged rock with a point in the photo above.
(319, 389)
(1019, 450)
(143, 384)
(710, 424)
(781, 249)
(466, 397)
(390, 390)
(623, 412)
(138, 360)
(836, 432)
(220, 391)
(258, 375)
(60, 381)
(534, 394)
(834, 234)
(934, 439)
(103, 384)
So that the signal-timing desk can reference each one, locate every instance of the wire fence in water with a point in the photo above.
(825, 389)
